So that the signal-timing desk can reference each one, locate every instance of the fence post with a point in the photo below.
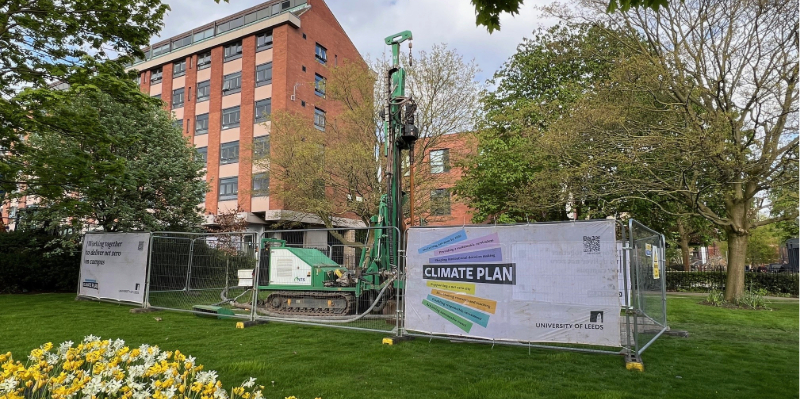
(146, 303)
(256, 278)
(189, 268)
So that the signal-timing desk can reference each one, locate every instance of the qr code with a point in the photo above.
(591, 244)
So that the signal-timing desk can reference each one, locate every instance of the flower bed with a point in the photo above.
(98, 368)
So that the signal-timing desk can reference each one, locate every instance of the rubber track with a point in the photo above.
(283, 296)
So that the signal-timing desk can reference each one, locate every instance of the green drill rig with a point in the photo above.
(304, 281)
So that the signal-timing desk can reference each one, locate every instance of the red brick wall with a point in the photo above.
(166, 85)
(459, 146)
(214, 128)
(144, 82)
(247, 117)
(189, 92)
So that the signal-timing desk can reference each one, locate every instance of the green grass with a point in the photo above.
(729, 354)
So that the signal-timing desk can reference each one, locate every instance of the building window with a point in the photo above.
(179, 69)
(232, 83)
(163, 49)
(440, 202)
(155, 76)
(263, 109)
(319, 85)
(264, 74)
(201, 125)
(233, 51)
(321, 54)
(261, 185)
(230, 118)
(204, 60)
(229, 153)
(260, 147)
(158, 96)
(177, 98)
(202, 154)
(440, 161)
(264, 41)
(203, 91)
(183, 42)
(178, 123)
(198, 36)
(228, 188)
(230, 25)
(319, 119)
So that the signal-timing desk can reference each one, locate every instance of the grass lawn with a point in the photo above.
(729, 354)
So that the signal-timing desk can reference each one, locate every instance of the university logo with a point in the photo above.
(594, 314)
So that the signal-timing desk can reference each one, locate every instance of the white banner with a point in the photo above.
(535, 283)
(114, 266)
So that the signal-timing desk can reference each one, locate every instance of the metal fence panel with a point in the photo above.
(648, 278)
(202, 273)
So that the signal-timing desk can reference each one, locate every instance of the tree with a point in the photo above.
(535, 87)
(762, 245)
(42, 42)
(135, 171)
(703, 111)
(335, 173)
(487, 12)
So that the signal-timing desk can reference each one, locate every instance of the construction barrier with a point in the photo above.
(592, 286)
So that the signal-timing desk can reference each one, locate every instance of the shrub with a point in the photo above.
(715, 298)
(27, 263)
(772, 283)
(753, 299)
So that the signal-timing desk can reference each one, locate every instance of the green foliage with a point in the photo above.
(487, 12)
(784, 201)
(27, 264)
(534, 88)
(625, 5)
(773, 283)
(762, 245)
(715, 298)
(124, 166)
(753, 299)
(42, 42)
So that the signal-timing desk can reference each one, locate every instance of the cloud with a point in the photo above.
(367, 22)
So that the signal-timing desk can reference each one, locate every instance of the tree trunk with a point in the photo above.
(737, 251)
(684, 242)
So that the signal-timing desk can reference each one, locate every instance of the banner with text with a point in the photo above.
(114, 266)
(535, 283)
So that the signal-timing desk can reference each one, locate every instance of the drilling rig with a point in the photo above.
(304, 282)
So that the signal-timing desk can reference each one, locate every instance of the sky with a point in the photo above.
(367, 22)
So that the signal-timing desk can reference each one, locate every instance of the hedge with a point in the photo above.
(25, 267)
(773, 283)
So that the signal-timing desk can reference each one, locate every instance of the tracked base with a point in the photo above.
(315, 304)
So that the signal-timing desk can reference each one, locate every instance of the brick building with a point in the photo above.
(222, 80)
(438, 206)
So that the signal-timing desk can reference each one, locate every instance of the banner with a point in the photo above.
(535, 283)
(114, 266)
